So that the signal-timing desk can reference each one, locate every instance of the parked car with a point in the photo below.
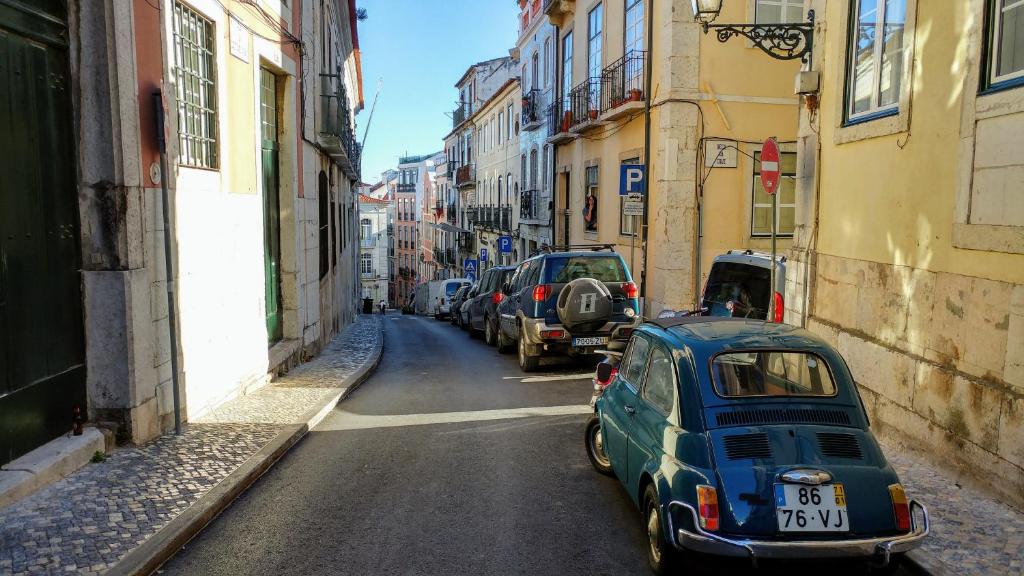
(442, 292)
(739, 285)
(454, 313)
(464, 308)
(744, 438)
(483, 307)
(567, 303)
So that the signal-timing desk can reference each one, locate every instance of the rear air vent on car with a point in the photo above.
(742, 446)
(782, 416)
(839, 445)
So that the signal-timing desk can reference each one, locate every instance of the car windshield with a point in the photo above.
(771, 373)
(744, 285)
(563, 269)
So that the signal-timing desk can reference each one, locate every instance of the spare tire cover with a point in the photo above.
(584, 305)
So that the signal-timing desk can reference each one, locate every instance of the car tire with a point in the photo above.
(527, 362)
(489, 336)
(595, 447)
(661, 554)
(505, 343)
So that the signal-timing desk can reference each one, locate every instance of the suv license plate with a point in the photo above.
(594, 341)
(811, 508)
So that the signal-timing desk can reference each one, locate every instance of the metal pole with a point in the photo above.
(158, 106)
(771, 292)
(647, 156)
(632, 242)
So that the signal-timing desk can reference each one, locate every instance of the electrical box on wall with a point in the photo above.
(806, 82)
(720, 154)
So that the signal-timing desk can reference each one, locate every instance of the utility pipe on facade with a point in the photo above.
(647, 157)
(158, 106)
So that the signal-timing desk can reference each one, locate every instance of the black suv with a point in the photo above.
(567, 302)
(482, 307)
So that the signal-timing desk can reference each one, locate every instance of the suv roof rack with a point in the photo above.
(548, 249)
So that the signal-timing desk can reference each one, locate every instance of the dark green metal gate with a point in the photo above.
(42, 358)
(271, 203)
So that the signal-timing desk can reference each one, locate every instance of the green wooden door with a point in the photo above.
(42, 355)
(271, 203)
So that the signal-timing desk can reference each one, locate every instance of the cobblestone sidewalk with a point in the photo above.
(87, 522)
(971, 533)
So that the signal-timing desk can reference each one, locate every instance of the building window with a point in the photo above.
(594, 60)
(633, 38)
(535, 71)
(590, 201)
(547, 62)
(785, 213)
(566, 68)
(508, 114)
(1006, 50)
(501, 124)
(627, 224)
(778, 11)
(533, 169)
(876, 58)
(334, 232)
(365, 228)
(196, 80)
(366, 264)
(324, 224)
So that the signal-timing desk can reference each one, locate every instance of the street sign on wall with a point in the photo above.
(483, 254)
(770, 169)
(505, 244)
(631, 179)
(469, 269)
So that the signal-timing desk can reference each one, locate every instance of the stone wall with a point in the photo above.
(939, 358)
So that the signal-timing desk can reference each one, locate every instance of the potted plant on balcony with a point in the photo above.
(593, 114)
(636, 94)
(566, 120)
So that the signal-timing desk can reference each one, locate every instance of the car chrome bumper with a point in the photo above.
(882, 547)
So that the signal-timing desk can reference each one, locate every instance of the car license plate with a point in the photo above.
(594, 341)
(802, 508)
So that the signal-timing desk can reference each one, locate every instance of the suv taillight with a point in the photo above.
(497, 297)
(780, 307)
(631, 290)
(541, 293)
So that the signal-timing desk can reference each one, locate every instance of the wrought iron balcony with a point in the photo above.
(532, 208)
(559, 121)
(622, 88)
(532, 114)
(465, 176)
(405, 188)
(334, 130)
(585, 104)
(461, 114)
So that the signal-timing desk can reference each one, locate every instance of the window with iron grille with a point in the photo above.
(196, 82)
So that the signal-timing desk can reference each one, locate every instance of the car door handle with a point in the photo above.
(629, 409)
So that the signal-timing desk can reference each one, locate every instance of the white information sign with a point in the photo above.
(634, 205)
(239, 40)
(720, 154)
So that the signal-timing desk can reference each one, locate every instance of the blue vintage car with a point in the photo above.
(744, 438)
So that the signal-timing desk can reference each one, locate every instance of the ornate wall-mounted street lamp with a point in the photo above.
(788, 41)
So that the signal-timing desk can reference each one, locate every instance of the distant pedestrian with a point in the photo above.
(383, 307)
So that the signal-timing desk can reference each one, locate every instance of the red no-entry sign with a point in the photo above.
(770, 166)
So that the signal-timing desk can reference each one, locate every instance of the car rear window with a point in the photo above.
(745, 285)
(452, 288)
(771, 373)
(563, 269)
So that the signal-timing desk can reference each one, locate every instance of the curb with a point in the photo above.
(924, 565)
(160, 547)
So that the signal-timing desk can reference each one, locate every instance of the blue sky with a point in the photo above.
(419, 49)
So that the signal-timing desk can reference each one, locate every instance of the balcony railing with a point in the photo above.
(405, 188)
(559, 116)
(465, 176)
(530, 207)
(452, 213)
(335, 134)
(460, 114)
(623, 81)
(498, 218)
(532, 114)
(585, 101)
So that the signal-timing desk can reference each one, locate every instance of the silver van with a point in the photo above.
(739, 285)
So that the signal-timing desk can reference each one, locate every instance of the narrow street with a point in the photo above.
(436, 465)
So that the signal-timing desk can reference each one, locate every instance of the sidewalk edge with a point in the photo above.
(158, 548)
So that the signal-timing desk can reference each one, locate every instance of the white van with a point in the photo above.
(446, 290)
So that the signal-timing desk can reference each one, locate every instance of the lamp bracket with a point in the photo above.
(790, 41)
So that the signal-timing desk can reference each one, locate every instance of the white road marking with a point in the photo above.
(584, 376)
(342, 420)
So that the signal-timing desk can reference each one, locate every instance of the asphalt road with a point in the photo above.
(449, 460)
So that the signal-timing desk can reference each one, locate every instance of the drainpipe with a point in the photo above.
(554, 151)
(647, 156)
(158, 105)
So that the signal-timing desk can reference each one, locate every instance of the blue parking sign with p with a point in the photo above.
(505, 244)
(631, 179)
(469, 268)
(483, 254)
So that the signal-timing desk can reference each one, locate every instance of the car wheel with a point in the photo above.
(489, 332)
(661, 555)
(527, 361)
(595, 447)
(504, 342)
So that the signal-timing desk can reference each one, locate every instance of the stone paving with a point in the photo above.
(87, 522)
(971, 533)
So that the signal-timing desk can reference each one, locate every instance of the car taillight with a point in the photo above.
(707, 507)
(900, 507)
(497, 297)
(780, 307)
(631, 290)
(541, 293)
(612, 372)
(442, 301)
(552, 334)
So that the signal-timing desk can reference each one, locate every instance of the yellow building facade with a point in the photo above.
(909, 250)
(712, 104)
